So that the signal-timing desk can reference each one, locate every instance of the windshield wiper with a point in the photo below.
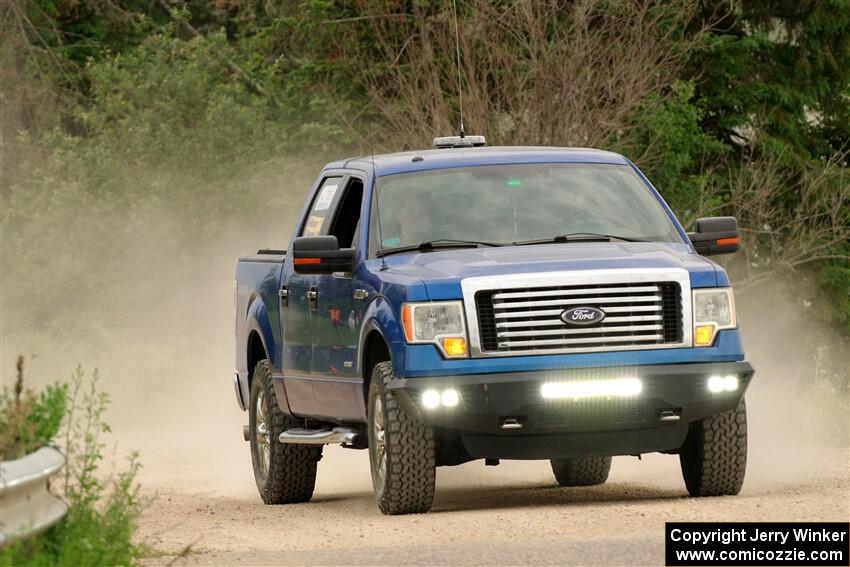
(578, 237)
(430, 245)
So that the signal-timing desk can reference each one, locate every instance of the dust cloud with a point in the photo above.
(162, 340)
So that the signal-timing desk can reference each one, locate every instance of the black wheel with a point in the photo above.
(285, 473)
(582, 471)
(714, 456)
(401, 451)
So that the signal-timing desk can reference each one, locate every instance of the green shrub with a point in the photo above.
(29, 420)
(667, 143)
(104, 510)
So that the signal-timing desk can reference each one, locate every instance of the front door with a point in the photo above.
(336, 321)
(299, 307)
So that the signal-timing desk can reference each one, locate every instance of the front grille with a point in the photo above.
(529, 319)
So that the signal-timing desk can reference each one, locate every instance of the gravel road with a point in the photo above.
(510, 514)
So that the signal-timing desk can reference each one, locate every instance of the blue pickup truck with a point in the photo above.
(468, 302)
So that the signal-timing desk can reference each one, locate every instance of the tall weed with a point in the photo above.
(104, 509)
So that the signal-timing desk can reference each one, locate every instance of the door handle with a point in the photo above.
(313, 297)
(283, 293)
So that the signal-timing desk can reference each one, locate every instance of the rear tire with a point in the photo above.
(285, 473)
(714, 456)
(401, 451)
(582, 471)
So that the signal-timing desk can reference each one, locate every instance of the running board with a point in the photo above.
(337, 435)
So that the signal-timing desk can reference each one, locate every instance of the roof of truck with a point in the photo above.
(419, 160)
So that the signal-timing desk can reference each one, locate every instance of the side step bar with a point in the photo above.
(337, 435)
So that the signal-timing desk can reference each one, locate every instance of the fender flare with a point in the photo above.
(258, 321)
(379, 317)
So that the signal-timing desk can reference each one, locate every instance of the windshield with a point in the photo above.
(504, 204)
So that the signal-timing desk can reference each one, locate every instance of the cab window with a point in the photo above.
(346, 219)
(316, 221)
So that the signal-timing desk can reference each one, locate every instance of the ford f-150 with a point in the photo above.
(471, 302)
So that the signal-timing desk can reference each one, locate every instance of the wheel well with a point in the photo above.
(375, 350)
(256, 353)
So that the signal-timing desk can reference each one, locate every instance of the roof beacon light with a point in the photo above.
(459, 142)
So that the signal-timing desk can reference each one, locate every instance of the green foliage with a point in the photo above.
(30, 420)
(834, 278)
(80, 30)
(169, 99)
(782, 64)
(104, 510)
(678, 152)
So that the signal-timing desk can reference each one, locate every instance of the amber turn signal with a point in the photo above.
(454, 346)
(703, 335)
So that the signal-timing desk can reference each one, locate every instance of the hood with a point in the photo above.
(442, 270)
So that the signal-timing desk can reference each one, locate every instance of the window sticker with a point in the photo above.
(325, 197)
(314, 225)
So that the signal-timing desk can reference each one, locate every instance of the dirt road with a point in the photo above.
(204, 497)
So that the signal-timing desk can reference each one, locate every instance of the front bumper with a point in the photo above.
(672, 397)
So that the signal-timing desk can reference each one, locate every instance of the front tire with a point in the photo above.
(583, 471)
(714, 456)
(285, 473)
(401, 451)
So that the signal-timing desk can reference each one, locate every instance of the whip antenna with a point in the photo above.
(457, 53)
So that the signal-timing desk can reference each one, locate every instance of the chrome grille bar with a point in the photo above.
(587, 331)
(574, 292)
(578, 301)
(629, 308)
(630, 338)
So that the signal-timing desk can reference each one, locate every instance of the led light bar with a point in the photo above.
(618, 387)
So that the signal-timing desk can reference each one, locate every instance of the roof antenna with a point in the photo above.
(457, 51)
(384, 266)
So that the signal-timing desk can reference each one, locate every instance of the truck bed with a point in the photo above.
(266, 256)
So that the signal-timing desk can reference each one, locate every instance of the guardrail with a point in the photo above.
(27, 506)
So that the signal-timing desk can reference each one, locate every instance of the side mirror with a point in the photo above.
(320, 255)
(716, 235)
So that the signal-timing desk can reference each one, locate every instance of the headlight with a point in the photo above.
(441, 323)
(714, 310)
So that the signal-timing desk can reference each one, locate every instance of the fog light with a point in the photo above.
(718, 384)
(431, 399)
(703, 335)
(450, 398)
(619, 387)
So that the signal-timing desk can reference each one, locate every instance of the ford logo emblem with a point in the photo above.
(582, 316)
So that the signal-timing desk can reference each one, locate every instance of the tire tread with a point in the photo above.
(292, 467)
(714, 456)
(581, 471)
(411, 474)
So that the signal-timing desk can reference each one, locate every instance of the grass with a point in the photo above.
(104, 509)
